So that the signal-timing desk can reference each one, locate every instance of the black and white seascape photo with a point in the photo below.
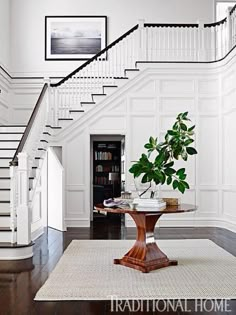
(77, 37)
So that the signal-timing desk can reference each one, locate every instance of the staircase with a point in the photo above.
(10, 136)
(70, 99)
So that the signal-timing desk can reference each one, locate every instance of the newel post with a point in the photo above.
(201, 42)
(13, 200)
(23, 210)
(142, 41)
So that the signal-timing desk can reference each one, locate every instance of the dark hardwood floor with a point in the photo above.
(20, 282)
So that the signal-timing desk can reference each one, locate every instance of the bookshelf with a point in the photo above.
(107, 169)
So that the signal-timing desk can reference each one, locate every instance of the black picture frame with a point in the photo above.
(74, 37)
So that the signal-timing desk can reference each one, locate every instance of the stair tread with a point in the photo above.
(5, 189)
(11, 133)
(8, 149)
(4, 201)
(14, 245)
(4, 177)
(10, 140)
(6, 229)
(48, 126)
(99, 94)
(13, 126)
(65, 118)
(110, 86)
(6, 158)
(5, 214)
(87, 102)
(4, 167)
(76, 110)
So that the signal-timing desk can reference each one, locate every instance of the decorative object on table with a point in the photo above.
(171, 201)
(74, 37)
(117, 203)
(160, 170)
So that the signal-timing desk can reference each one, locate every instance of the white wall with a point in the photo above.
(5, 96)
(5, 34)
(27, 31)
(147, 105)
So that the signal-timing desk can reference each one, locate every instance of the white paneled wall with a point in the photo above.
(4, 97)
(146, 106)
(24, 94)
(228, 152)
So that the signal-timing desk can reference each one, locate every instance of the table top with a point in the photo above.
(183, 207)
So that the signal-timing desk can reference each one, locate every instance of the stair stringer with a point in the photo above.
(94, 112)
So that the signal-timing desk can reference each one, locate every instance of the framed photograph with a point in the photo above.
(74, 37)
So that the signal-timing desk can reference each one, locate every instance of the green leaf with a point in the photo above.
(170, 164)
(160, 158)
(188, 141)
(182, 176)
(169, 180)
(186, 185)
(175, 126)
(180, 171)
(181, 187)
(145, 179)
(169, 171)
(191, 150)
(183, 127)
(184, 155)
(172, 132)
(147, 146)
(191, 128)
(163, 178)
(175, 184)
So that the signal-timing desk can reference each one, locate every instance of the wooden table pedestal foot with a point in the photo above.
(145, 255)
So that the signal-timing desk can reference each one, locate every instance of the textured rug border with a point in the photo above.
(207, 241)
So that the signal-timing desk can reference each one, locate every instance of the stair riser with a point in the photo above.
(5, 222)
(5, 162)
(7, 153)
(4, 195)
(12, 129)
(76, 115)
(4, 207)
(98, 98)
(64, 123)
(4, 172)
(5, 136)
(11, 145)
(131, 74)
(4, 183)
(6, 236)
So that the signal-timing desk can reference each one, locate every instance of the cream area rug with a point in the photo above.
(86, 272)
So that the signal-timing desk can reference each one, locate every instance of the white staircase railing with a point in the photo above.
(147, 43)
(21, 166)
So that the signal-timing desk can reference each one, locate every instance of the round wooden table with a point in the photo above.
(145, 255)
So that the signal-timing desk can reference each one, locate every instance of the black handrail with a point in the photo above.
(232, 10)
(216, 23)
(95, 57)
(14, 161)
(169, 25)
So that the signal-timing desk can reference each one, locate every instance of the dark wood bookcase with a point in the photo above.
(106, 170)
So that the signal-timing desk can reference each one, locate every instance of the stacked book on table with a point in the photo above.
(149, 204)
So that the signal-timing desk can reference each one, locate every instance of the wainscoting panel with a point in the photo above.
(207, 142)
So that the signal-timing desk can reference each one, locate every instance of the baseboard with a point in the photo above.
(200, 222)
(77, 222)
(38, 232)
